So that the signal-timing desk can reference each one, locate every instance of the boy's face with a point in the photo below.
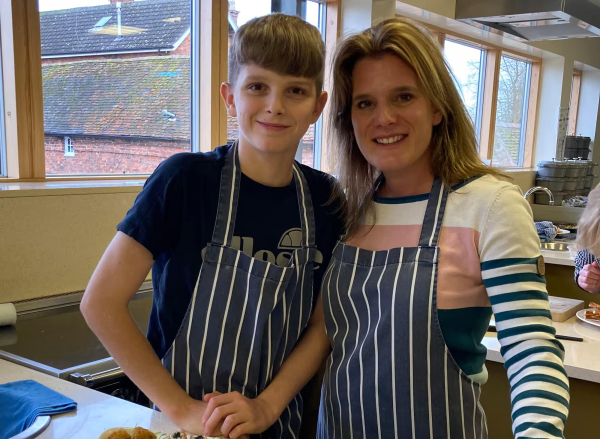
(273, 111)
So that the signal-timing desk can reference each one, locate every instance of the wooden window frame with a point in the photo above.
(574, 103)
(26, 150)
(494, 55)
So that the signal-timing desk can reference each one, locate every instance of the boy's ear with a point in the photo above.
(227, 95)
(319, 105)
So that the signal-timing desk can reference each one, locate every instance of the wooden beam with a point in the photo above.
(482, 43)
(213, 71)
(534, 89)
(333, 12)
(28, 88)
(490, 101)
(574, 104)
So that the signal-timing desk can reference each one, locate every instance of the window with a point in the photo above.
(511, 112)
(116, 80)
(468, 68)
(3, 167)
(241, 11)
(69, 150)
(574, 102)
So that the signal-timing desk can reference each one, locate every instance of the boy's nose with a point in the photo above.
(275, 106)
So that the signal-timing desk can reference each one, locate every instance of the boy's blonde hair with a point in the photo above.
(588, 231)
(453, 142)
(285, 44)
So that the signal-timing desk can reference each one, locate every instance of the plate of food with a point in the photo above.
(142, 433)
(590, 315)
(560, 231)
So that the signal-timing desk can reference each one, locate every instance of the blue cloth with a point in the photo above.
(546, 231)
(21, 402)
(577, 201)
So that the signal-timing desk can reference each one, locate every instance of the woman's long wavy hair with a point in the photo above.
(453, 143)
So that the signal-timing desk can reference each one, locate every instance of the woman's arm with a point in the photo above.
(513, 274)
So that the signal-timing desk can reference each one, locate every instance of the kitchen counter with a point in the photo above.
(96, 411)
(558, 257)
(582, 359)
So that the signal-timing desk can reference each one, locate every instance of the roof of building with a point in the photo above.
(145, 26)
(126, 97)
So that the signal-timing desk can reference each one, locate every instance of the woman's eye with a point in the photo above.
(405, 97)
(364, 104)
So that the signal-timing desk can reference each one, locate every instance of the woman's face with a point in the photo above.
(393, 119)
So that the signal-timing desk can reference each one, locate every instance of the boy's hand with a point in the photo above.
(189, 417)
(239, 415)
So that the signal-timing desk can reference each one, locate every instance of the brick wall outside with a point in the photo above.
(99, 155)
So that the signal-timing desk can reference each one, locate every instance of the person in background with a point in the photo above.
(587, 270)
(435, 243)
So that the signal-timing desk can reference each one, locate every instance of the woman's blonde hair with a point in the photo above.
(454, 144)
(588, 230)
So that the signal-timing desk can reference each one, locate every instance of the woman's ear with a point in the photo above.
(437, 117)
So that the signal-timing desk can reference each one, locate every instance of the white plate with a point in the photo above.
(581, 316)
(563, 232)
(40, 424)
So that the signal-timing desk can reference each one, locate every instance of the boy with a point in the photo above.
(236, 238)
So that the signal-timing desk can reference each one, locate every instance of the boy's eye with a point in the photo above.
(298, 91)
(364, 104)
(256, 87)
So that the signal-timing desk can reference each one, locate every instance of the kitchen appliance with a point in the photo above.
(533, 20)
(51, 336)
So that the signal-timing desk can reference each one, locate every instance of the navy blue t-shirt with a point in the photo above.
(174, 216)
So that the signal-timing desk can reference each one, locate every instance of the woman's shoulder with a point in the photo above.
(486, 190)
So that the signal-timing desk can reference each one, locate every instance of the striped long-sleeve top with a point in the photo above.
(489, 263)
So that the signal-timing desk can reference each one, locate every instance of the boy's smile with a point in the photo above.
(274, 111)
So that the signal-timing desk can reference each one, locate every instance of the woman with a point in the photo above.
(434, 239)
(587, 270)
(435, 244)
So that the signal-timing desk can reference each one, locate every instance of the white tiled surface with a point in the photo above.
(96, 411)
(582, 359)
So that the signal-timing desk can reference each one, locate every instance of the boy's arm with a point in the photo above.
(120, 273)
(241, 415)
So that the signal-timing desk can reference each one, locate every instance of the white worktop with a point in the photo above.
(96, 411)
(582, 359)
(558, 257)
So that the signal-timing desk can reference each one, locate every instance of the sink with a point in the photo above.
(555, 246)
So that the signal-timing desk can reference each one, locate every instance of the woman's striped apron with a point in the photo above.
(246, 314)
(390, 374)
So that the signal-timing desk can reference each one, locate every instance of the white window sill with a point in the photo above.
(66, 187)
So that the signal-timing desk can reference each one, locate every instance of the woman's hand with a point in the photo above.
(589, 278)
(236, 415)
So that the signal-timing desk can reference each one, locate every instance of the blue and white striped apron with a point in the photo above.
(246, 314)
(390, 374)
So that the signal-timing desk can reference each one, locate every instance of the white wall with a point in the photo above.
(548, 107)
(588, 117)
(358, 15)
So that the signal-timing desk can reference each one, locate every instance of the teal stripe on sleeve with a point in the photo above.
(540, 411)
(520, 330)
(521, 313)
(519, 295)
(541, 394)
(544, 426)
(499, 263)
(513, 279)
(537, 350)
(539, 377)
(542, 363)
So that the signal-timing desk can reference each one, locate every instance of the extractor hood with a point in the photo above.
(534, 20)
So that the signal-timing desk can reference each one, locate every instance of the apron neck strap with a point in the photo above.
(305, 205)
(229, 191)
(434, 215)
(228, 201)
